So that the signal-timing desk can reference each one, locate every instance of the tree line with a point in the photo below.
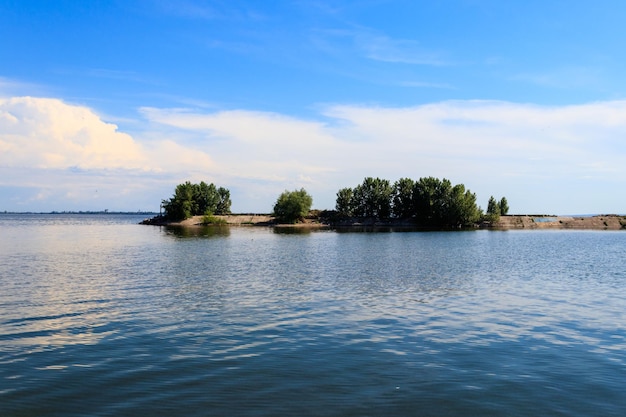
(428, 201)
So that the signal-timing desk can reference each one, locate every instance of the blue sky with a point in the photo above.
(110, 104)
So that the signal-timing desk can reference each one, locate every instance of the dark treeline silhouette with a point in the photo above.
(428, 202)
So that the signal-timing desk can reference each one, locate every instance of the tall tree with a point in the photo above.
(181, 205)
(224, 203)
(206, 197)
(493, 210)
(372, 198)
(402, 200)
(461, 209)
(432, 200)
(504, 206)
(344, 202)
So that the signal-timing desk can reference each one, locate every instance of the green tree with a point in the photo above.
(223, 203)
(402, 199)
(372, 198)
(181, 205)
(493, 210)
(206, 198)
(431, 201)
(439, 204)
(292, 206)
(504, 206)
(343, 204)
(461, 208)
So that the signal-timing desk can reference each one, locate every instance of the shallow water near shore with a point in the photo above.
(100, 316)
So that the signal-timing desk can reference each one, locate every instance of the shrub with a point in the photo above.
(292, 206)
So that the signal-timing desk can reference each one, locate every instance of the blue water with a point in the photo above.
(100, 316)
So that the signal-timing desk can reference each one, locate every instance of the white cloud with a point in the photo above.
(50, 134)
(506, 138)
(539, 157)
(490, 146)
(255, 144)
(67, 154)
(47, 133)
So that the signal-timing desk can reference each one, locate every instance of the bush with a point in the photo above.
(292, 206)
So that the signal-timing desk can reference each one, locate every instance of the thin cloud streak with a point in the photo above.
(398, 51)
(424, 84)
(565, 78)
(10, 87)
(371, 45)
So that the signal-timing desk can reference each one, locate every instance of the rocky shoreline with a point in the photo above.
(509, 222)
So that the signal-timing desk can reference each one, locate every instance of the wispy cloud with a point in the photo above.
(11, 87)
(403, 51)
(564, 78)
(375, 46)
(425, 84)
(119, 75)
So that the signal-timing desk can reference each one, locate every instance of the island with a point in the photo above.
(428, 203)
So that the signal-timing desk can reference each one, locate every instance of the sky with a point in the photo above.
(108, 105)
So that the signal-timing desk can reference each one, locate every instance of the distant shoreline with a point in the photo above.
(103, 212)
(509, 222)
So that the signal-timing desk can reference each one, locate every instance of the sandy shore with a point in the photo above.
(232, 220)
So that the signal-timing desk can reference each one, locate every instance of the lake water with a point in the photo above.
(100, 316)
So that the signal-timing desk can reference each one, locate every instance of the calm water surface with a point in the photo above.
(100, 316)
